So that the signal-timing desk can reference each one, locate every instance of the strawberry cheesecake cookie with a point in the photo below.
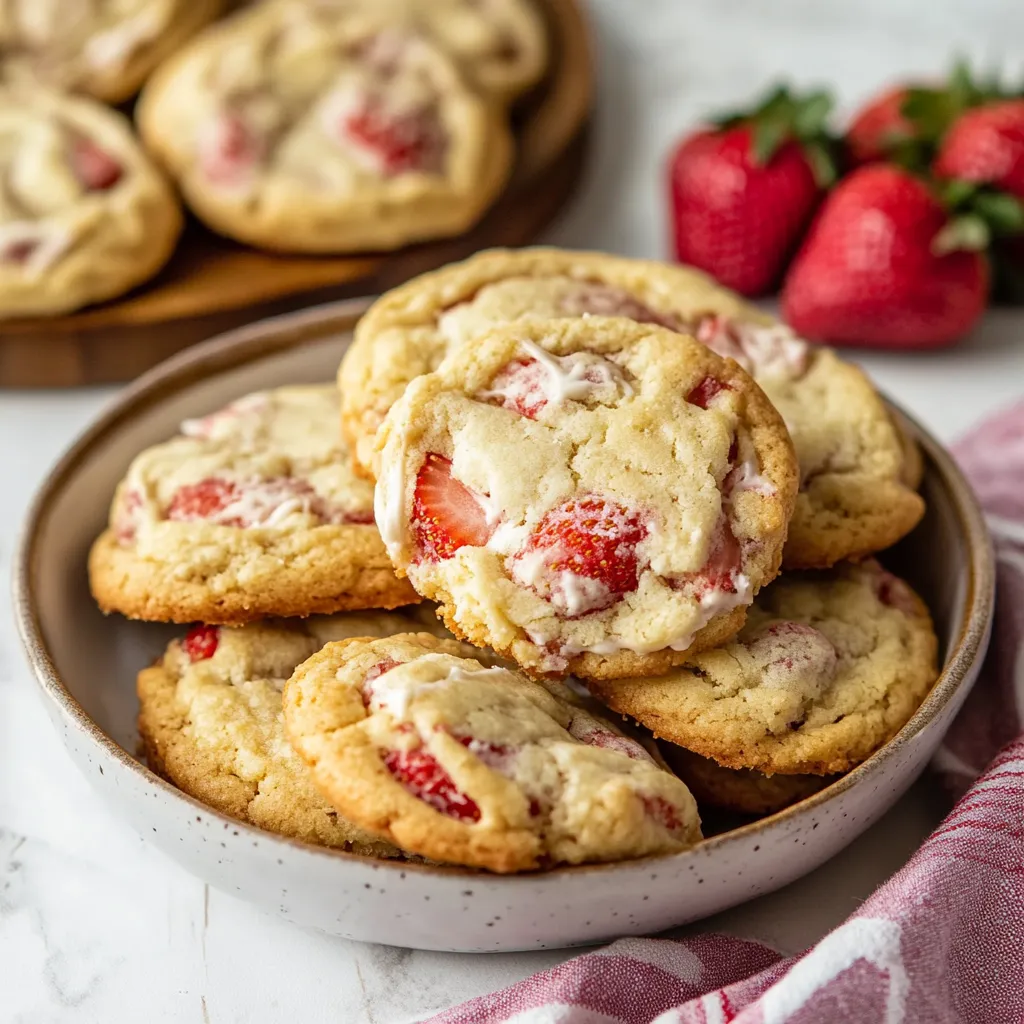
(105, 48)
(475, 765)
(211, 722)
(250, 512)
(84, 215)
(828, 668)
(856, 486)
(308, 128)
(586, 495)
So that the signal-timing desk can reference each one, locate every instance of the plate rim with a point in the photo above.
(258, 340)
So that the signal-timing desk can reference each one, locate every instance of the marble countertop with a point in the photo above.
(95, 925)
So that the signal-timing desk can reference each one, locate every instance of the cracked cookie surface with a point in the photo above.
(250, 512)
(320, 128)
(593, 496)
(858, 468)
(105, 48)
(84, 214)
(210, 717)
(473, 765)
(829, 666)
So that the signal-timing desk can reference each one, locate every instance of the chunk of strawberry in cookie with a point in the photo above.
(423, 776)
(374, 673)
(721, 573)
(705, 391)
(586, 730)
(767, 350)
(125, 521)
(206, 499)
(498, 756)
(95, 169)
(583, 557)
(446, 514)
(229, 150)
(201, 642)
(891, 590)
(393, 141)
(789, 653)
(253, 502)
(664, 813)
(597, 299)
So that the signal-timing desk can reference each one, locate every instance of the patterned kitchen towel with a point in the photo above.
(942, 942)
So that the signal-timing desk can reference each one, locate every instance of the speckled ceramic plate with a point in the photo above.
(86, 668)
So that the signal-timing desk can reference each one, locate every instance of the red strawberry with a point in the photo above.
(520, 385)
(446, 514)
(94, 167)
(743, 193)
(878, 127)
(705, 391)
(872, 272)
(375, 672)
(202, 500)
(405, 141)
(201, 642)
(986, 145)
(591, 539)
(422, 775)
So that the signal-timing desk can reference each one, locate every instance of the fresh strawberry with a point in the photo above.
(422, 775)
(403, 141)
(582, 556)
(986, 146)
(875, 268)
(743, 192)
(878, 127)
(203, 500)
(446, 514)
(201, 642)
(705, 391)
(94, 167)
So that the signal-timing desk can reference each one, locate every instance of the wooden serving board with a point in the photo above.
(212, 284)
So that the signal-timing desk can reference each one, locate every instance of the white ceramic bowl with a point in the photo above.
(86, 667)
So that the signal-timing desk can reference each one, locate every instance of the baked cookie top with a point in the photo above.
(828, 667)
(478, 766)
(318, 128)
(211, 720)
(586, 495)
(83, 213)
(856, 493)
(249, 512)
(101, 47)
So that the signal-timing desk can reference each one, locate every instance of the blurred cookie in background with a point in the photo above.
(84, 214)
(311, 127)
(105, 48)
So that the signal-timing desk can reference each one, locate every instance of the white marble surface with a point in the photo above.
(96, 926)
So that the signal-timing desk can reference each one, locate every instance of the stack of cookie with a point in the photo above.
(595, 467)
(306, 126)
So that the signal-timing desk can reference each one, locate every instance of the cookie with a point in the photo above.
(250, 512)
(474, 765)
(593, 496)
(739, 790)
(305, 127)
(105, 48)
(856, 493)
(84, 215)
(211, 722)
(828, 668)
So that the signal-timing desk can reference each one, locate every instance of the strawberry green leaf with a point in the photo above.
(1003, 213)
(823, 166)
(812, 114)
(968, 232)
(956, 192)
(768, 136)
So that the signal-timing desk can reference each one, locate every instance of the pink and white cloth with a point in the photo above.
(942, 942)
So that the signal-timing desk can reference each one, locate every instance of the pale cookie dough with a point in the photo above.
(313, 128)
(84, 215)
(414, 741)
(739, 790)
(248, 513)
(105, 48)
(858, 470)
(593, 496)
(211, 722)
(829, 667)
